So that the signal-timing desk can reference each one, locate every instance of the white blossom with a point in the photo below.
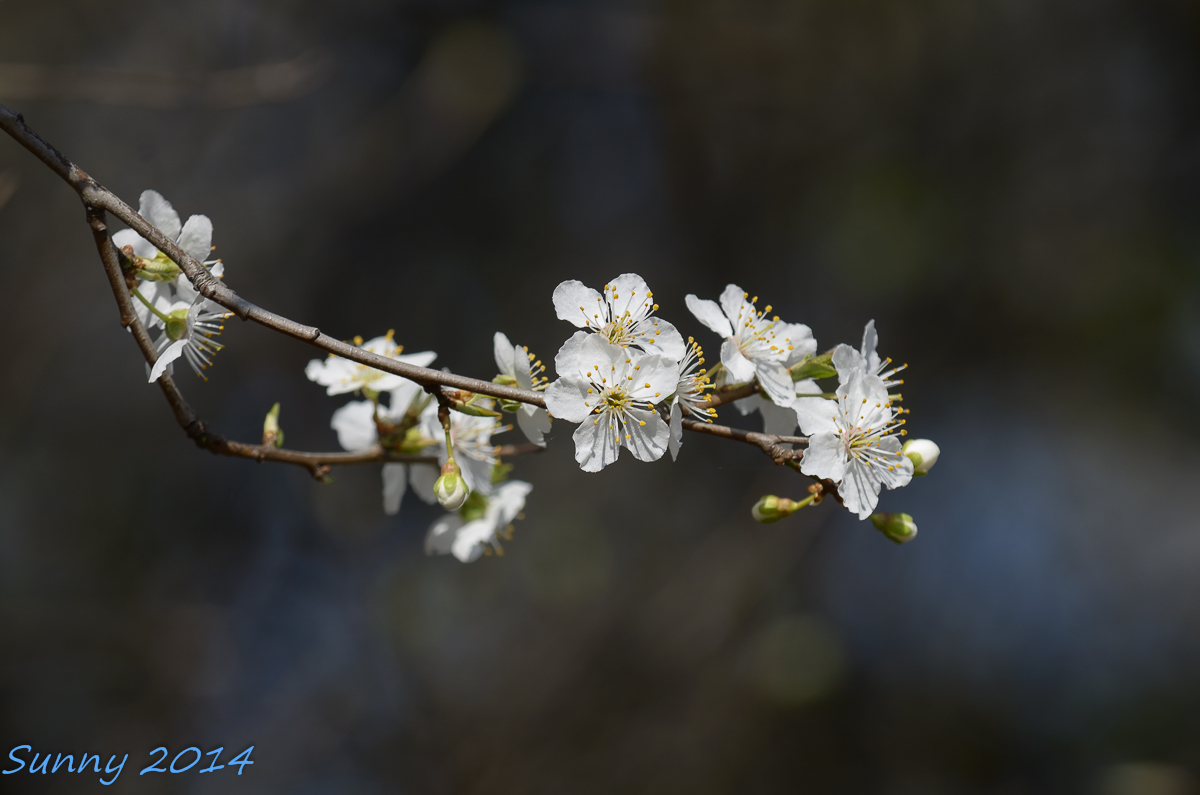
(476, 528)
(471, 438)
(357, 425)
(517, 363)
(340, 375)
(755, 345)
(866, 360)
(689, 397)
(854, 442)
(623, 315)
(612, 393)
(188, 331)
(194, 237)
(159, 276)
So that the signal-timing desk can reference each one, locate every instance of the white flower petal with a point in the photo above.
(471, 539)
(578, 304)
(655, 378)
(676, 440)
(859, 488)
(184, 288)
(173, 352)
(442, 533)
(708, 313)
(632, 296)
(740, 368)
(667, 339)
(422, 477)
(196, 237)
(402, 398)
(801, 340)
(140, 245)
(502, 349)
(647, 442)
(596, 444)
(534, 423)
(869, 344)
(477, 474)
(848, 361)
(735, 306)
(508, 501)
(825, 457)
(395, 483)
(355, 425)
(776, 381)
(568, 399)
(901, 473)
(816, 415)
(571, 354)
(159, 212)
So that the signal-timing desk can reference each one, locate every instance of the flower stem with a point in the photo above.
(149, 305)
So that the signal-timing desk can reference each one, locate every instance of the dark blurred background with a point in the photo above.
(1008, 187)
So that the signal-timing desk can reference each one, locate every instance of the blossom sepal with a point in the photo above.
(272, 433)
(464, 402)
(159, 269)
(451, 488)
(923, 453)
(899, 527)
(814, 367)
(511, 406)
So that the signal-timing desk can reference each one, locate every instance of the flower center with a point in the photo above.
(617, 399)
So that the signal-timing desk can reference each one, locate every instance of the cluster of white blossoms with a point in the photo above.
(629, 380)
(164, 299)
(403, 419)
(626, 378)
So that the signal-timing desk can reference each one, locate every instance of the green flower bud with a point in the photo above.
(899, 527)
(923, 453)
(450, 489)
(272, 433)
(771, 508)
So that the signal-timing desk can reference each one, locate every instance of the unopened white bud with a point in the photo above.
(923, 453)
(899, 527)
(451, 489)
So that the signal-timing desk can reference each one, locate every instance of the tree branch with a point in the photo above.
(97, 200)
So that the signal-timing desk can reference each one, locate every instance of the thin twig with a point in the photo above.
(98, 199)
